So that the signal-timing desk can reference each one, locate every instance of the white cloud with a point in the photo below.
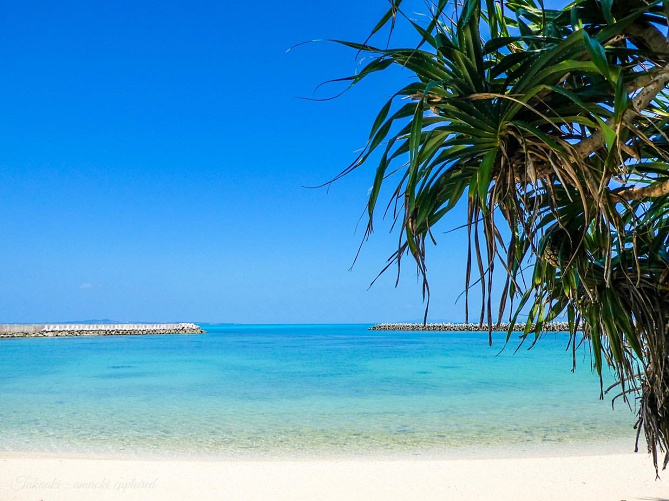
(85, 285)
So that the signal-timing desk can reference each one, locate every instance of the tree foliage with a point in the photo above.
(551, 126)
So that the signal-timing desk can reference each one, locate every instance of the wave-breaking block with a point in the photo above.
(455, 327)
(63, 330)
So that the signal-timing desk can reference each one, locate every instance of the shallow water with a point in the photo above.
(298, 390)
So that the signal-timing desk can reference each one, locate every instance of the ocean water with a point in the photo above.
(267, 391)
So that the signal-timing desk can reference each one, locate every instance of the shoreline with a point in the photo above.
(535, 449)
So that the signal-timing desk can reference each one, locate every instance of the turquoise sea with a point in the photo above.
(292, 390)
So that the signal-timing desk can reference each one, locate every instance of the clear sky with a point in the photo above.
(152, 163)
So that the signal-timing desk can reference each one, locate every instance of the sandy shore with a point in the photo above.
(612, 477)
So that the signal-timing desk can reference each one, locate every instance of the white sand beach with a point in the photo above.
(612, 477)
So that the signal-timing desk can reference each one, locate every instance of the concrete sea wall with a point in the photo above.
(550, 327)
(63, 330)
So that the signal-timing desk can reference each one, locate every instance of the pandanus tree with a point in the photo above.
(551, 126)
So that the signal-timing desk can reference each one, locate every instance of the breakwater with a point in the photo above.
(65, 330)
(503, 327)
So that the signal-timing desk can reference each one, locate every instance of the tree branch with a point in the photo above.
(653, 191)
(643, 35)
(647, 36)
(596, 140)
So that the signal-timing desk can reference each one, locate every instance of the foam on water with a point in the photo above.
(298, 390)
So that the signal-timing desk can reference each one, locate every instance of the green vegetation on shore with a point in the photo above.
(551, 127)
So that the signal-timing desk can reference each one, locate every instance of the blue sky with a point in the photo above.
(152, 163)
